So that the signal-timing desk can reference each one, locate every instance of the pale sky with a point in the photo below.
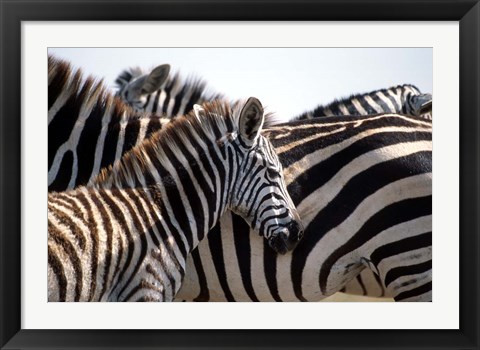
(288, 81)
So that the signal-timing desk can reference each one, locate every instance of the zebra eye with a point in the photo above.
(272, 174)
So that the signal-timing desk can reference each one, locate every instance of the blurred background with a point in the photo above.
(288, 81)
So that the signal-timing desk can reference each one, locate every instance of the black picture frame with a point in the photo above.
(13, 12)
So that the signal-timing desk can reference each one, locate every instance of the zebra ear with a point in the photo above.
(422, 103)
(251, 121)
(199, 111)
(155, 79)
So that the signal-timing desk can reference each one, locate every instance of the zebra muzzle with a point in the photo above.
(287, 239)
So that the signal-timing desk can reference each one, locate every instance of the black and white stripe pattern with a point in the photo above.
(363, 188)
(367, 283)
(218, 255)
(88, 129)
(127, 237)
(403, 99)
(153, 92)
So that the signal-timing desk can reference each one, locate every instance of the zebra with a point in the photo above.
(403, 99)
(228, 240)
(127, 236)
(88, 128)
(169, 97)
(363, 187)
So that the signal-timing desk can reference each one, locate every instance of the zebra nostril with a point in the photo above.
(280, 243)
(300, 235)
(295, 231)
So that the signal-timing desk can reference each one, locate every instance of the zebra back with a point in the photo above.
(403, 99)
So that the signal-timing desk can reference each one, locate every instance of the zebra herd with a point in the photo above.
(134, 193)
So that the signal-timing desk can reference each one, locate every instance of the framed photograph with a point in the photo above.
(443, 38)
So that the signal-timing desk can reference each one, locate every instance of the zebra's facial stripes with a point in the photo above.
(259, 193)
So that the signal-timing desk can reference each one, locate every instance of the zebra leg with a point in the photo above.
(407, 276)
(367, 283)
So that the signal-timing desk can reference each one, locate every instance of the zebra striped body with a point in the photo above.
(362, 186)
(170, 98)
(128, 236)
(403, 99)
(88, 129)
(105, 245)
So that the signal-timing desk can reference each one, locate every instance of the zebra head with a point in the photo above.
(421, 104)
(417, 104)
(134, 87)
(257, 191)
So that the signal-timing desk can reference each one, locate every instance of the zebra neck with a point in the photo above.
(192, 215)
(189, 193)
(199, 190)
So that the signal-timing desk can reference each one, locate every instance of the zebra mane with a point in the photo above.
(197, 85)
(384, 90)
(337, 101)
(220, 123)
(89, 94)
(174, 83)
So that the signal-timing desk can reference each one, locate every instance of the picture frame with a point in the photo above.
(467, 13)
